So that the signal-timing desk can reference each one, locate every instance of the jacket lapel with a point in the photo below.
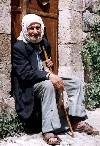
(31, 55)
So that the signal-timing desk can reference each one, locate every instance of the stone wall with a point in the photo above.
(91, 14)
(75, 17)
(5, 53)
(70, 38)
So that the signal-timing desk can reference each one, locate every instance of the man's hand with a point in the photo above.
(57, 81)
(49, 63)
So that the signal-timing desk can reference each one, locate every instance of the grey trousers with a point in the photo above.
(50, 117)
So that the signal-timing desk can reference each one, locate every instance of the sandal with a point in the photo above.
(85, 127)
(48, 136)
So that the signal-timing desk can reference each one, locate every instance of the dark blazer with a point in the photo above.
(25, 74)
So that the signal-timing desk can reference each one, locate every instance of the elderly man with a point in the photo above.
(31, 81)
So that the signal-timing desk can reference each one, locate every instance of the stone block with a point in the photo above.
(70, 27)
(76, 5)
(5, 55)
(71, 63)
(5, 46)
(5, 17)
(64, 52)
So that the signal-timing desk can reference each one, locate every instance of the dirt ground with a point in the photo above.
(80, 139)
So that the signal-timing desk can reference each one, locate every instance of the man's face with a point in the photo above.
(34, 31)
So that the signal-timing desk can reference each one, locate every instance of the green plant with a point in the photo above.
(9, 125)
(91, 62)
(92, 94)
(96, 31)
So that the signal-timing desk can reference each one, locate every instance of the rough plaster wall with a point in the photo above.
(70, 38)
(5, 52)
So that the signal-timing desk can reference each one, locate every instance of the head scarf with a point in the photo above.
(26, 21)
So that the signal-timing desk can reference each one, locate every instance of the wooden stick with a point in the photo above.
(65, 110)
(46, 57)
(68, 121)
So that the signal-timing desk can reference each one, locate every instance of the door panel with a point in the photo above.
(16, 13)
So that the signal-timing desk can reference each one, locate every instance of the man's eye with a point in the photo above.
(37, 27)
(32, 28)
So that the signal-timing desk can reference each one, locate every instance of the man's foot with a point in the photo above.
(51, 139)
(85, 127)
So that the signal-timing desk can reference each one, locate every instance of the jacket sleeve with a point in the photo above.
(23, 69)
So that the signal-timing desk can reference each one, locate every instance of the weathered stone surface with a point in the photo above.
(7, 103)
(5, 70)
(71, 62)
(64, 54)
(5, 45)
(70, 27)
(5, 16)
(5, 53)
(89, 19)
(75, 5)
(92, 5)
(5, 84)
(70, 37)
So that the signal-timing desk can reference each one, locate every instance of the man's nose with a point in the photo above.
(35, 31)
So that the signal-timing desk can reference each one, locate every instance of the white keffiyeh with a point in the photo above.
(26, 21)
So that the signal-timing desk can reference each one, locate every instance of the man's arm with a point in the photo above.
(23, 68)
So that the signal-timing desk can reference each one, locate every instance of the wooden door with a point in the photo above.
(18, 9)
(49, 14)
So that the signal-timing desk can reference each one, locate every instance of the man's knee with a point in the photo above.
(47, 84)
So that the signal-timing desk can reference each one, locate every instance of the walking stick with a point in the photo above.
(65, 110)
